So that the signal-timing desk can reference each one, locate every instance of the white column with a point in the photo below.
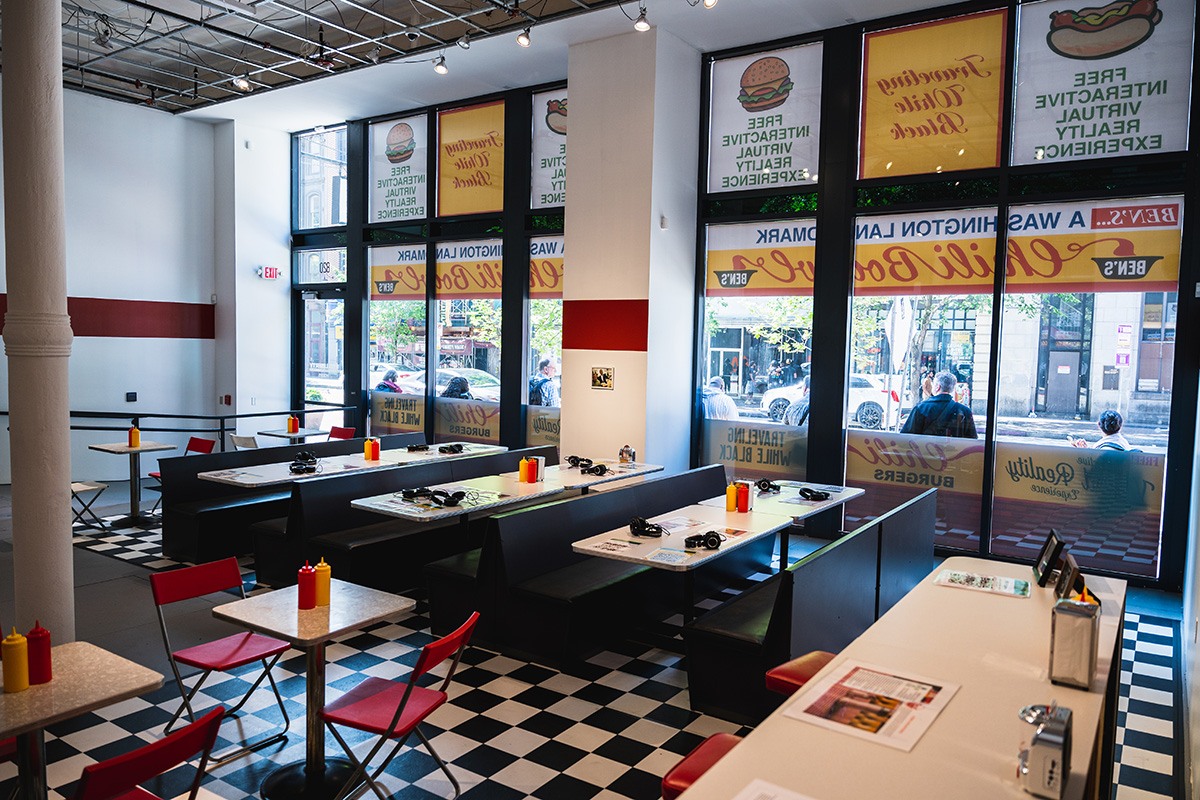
(37, 330)
(631, 246)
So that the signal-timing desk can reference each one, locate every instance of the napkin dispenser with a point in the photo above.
(1043, 768)
(1074, 643)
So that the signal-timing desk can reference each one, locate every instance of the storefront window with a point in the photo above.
(920, 337)
(1084, 393)
(546, 256)
(324, 337)
(321, 185)
(758, 319)
(396, 370)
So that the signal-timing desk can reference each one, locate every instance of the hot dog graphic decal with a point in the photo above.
(1092, 33)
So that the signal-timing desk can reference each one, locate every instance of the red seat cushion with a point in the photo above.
(696, 763)
(371, 705)
(8, 749)
(230, 652)
(157, 475)
(787, 678)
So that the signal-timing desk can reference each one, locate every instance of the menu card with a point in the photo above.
(1010, 587)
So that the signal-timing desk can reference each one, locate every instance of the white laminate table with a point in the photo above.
(280, 472)
(135, 474)
(486, 493)
(996, 648)
(293, 438)
(85, 677)
(569, 477)
(351, 607)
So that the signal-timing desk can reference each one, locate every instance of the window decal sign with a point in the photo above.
(471, 160)
(1104, 81)
(397, 413)
(465, 270)
(932, 96)
(397, 273)
(398, 169)
(765, 114)
(546, 256)
(548, 167)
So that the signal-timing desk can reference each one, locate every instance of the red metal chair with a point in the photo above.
(788, 677)
(392, 710)
(341, 433)
(195, 446)
(119, 777)
(221, 655)
(696, 763)
(8, 752)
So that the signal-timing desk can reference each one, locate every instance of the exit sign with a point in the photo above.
(268, 273)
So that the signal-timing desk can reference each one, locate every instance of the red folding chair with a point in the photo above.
(119, 777)
(195, 446)
(341, 433)
(392, 710)
(221, 655)
(8, 752)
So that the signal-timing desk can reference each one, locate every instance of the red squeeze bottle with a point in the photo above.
(39, 655)
(306, 581)
(374, 449)
(743, 497)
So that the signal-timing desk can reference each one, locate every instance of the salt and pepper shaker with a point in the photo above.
(627, 455)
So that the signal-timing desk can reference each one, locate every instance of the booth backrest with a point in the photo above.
(905, 548)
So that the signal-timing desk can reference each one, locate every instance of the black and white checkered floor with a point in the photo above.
(610, 729)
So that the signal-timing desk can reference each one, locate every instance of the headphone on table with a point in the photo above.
(304, 462)
(438, 497)
(639, 526)
(766, 485)
(813, 494)
(417, 448)
(594, 469)
(451, 448)
(580, 462)
(709, 540)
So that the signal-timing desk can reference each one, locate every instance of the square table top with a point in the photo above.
(351, 607)
(283, 433)
(495, 491)
(788, 500)
(569, 477)
(669, 552)
(86, 677)
(123, 448)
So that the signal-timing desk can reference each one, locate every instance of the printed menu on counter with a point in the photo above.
(1011, 587)
(873, 703)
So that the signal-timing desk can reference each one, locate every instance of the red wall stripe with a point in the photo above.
(142, 319)
(606, 324)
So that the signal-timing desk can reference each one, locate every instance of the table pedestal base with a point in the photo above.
(294, 782)
(140, 521)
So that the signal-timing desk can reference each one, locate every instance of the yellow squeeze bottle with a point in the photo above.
(324, 574)
(16, 663)
(731, 497)
(523, 471)
(135, 437)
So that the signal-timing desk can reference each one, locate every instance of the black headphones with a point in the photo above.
(813, 494)
(594, 469)
(579, 461)
(767, 485)
(437, 497)
(305, 457)
(301, 467)
(638, 526)
(451, 448)
(417, 448)
(709, 540)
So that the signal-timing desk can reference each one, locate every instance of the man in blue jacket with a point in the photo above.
(940, 415)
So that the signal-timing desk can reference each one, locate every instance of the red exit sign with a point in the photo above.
(268, 273)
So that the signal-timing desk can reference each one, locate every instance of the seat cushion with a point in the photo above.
(745, 618)
(459, 565)
(371, 705)
(230, 652)
(792, 675)
(696, 763)
(576, 581)
(276, 527)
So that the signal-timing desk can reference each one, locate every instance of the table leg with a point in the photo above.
(784, 558)
(689, 596)
(135, 485)
(31, 766)
(317, 777)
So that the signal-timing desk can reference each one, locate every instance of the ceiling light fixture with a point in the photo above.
(374, 53)
(104, 32)
(439, 65)
(242, 82)
(195, 83)
(523, 38)
(709, 3)
(464, 41)
(641, 23)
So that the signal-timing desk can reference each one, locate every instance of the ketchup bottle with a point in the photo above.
(743, 497)
(306, 581)
(38, 642)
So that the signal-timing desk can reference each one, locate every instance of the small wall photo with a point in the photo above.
(602, 377)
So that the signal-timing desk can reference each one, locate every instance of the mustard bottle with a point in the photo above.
(324, 575)
(135, 437)
(731, 497)
(16, 662)
(523, 471)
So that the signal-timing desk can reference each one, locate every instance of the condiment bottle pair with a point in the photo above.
(313, 585)
(26, 659)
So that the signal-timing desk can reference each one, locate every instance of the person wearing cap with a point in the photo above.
(1110, 423)
(715, 403)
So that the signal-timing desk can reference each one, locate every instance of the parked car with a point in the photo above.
(867, 400)
(484, 385)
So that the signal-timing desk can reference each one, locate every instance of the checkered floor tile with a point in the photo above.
(1148, 761)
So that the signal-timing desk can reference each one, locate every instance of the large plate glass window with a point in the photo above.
(467, 327)
(398, 166)
(546, 257)
(757, 322)
(764, 119)
(1102, 82)
(920, 339)
(396, 374)
(320, 200)
(326, 265)
(1084, 393)
(324, 357)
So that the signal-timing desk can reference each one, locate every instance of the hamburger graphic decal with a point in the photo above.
(400, 143)
(1092, 33)
(556, 116)
(765, 84)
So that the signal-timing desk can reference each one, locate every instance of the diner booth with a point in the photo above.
(830, 435)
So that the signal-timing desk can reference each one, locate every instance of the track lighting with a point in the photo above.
(374, 53)
(195, 82)
(439, 65)
(242, 82)
(641, 23)
(523, 38)
(464, 41)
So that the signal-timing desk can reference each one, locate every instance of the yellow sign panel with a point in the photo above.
(471, 160)
(397, 413)
(1088, 478)
(932, 96)
(920, 462)
(750, 450)
(469, 420)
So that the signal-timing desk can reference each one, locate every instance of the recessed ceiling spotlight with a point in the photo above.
(374, 53)
(523, 38)
(709, 3)
(439, 65)
(464, 41)
(412, 35)
(242, 82)
(641, 23)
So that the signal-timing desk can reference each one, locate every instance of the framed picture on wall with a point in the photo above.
(602, 377)
(1047, 560)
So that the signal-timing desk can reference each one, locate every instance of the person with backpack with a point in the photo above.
(1110, 423)
(543, 391)
(941, 414)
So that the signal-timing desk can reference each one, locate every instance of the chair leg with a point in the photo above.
(238, 752)
(438, 759)
(187, 700)
(359, 776)
(86, 509)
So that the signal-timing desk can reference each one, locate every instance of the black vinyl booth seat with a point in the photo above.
(204, 520)
(368, 548)
(822, 602)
